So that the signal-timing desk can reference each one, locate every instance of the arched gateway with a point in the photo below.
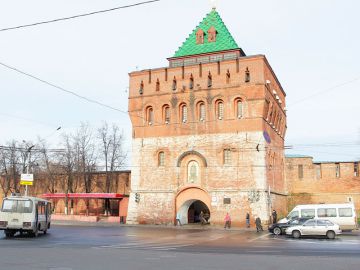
(190, 201)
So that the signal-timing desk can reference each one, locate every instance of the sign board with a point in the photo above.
(27, 179)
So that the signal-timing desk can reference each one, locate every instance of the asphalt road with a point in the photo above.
(143, 247)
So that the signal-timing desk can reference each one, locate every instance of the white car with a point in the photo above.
(315, 227)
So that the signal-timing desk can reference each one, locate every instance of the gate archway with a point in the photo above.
(189, 203)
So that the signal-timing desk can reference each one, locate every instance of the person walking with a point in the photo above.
(178, 219)
(247, 220)
(227, 220)
(202, 218)
(258, 224)
(274, 216)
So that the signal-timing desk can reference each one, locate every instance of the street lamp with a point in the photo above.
(28, 152)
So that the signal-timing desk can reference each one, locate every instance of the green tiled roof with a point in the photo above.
(224, 40)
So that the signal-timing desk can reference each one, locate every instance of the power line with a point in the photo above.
(77, 16)
(325, 90)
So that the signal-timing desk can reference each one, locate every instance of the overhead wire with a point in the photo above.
(77, 16)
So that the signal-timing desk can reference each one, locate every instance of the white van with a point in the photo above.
(342, 214)
(25, 214)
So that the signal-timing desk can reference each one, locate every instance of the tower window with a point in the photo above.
(227, 76)
(150, 116)
(191, 82)
(227, 156)
(202, 111)
(239, 108)
(157, 85)
(247, 75)
(184, 117)
(337, 170)
(174, 84)
(141, 89)
(161, 159)
(209, 80)
(212, 34)
(220, 110)
(166, 114)
(356, 169)
(200, 36)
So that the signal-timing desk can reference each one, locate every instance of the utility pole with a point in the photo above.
(28, 151)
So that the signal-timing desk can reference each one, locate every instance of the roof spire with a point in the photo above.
(213, 4)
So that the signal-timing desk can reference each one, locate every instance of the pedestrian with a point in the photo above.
(202, 218)
(227, 220)
(178, 219)
(247, 220)
(274, 216)
(258, 224)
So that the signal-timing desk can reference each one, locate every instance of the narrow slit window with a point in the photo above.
(247, 75)
(239, 109)
(209, 80)
(174, 84)
(184, 117)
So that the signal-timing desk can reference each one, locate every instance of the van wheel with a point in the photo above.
(296, 234)
(36, 232)
(277, 231)
(330, 234)
(45, 231)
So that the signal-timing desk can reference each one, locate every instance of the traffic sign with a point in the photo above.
(27, 179)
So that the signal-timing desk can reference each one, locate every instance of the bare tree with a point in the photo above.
(112, 155)
(85, 158)
(68, 163)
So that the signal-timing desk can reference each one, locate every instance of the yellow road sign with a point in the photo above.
(26, 183)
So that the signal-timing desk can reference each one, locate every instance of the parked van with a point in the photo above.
(25, 214)
(342, 214)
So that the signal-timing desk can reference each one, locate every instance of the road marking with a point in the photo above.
(260, 237)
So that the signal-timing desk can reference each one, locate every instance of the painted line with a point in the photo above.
(260, 237)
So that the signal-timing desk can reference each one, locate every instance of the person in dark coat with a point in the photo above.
(274, 216)
(258, 224)
(247, 220)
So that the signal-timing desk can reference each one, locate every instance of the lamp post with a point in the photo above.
(28, 153)
(27, 158)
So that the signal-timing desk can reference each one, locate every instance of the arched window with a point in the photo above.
(150, 115)
(183, 113)
(193, 172)
(209, 79)
(239, 108)
(161, 159)
(191, 82)
(219, 109)
(201, 111)
(174, 84)
(200, 36)
(166, 114)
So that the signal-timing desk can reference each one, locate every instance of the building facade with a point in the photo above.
(322, 182)
(208, 133)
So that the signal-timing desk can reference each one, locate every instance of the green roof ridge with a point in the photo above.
(224, 40)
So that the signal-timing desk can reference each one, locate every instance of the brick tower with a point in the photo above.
(208, 133)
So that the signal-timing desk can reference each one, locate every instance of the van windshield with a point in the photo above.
(293, 215)
(17, 206)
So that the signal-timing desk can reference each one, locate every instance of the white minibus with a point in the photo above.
(25, 214)
(342, 214)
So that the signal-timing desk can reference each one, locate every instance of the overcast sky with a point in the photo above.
(313, 47)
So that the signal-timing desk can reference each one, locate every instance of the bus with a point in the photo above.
(342, 214)
(24, 214)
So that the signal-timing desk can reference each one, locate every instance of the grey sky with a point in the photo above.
(311, 45)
